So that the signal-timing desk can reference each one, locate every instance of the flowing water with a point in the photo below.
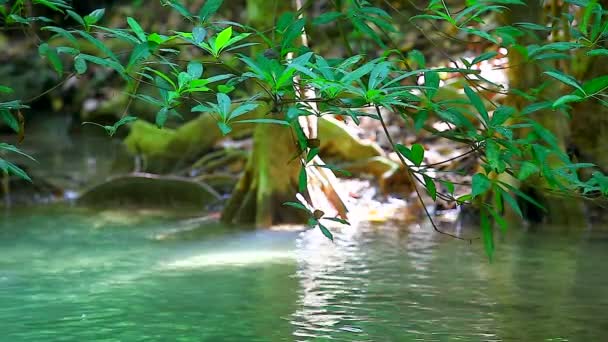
(74, 275)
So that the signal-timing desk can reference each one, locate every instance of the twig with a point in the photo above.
(411, 180)
(30, 100)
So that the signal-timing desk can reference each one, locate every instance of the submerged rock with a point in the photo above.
(144, 190)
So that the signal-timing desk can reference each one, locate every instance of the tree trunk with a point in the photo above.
(270, 179)
(271, 175)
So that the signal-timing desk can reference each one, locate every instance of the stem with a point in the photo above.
(48, 90)
(412, 181)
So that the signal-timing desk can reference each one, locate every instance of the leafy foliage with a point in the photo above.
(353, 85)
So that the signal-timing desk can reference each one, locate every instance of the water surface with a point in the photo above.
(75, 275)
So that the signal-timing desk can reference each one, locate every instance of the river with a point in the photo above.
(70, 274)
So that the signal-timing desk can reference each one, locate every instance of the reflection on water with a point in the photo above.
(68, 161)
(332, 279)
(77, 276)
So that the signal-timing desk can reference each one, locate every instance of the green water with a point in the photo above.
(69, 275)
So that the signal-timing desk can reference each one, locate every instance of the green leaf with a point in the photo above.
(265, 121)
(566, 79)
(526, 170)
(100, 46)
(9, 119)
(556, 46)
(218, 78)
(378, 74)
(156, 38)
(484, 56)
(335, 169)
(51, 54)
(14, 149)
(502, 114)
(55, 5)
(480, 184)
(477, 103)
(292, 32)
(337, 219)
(595, 86)
(488, 234)
(302, 180)
(357, 74)
(326, 232)
(511, 201)
(431, 81)
(599, 27)
(598, 52)
(183, 80)
(326, 18)
(163, 76)
(312, 222)
(94, 16)
(285, 20)
(417, 154)
(243, 109)
(202, 108)
(420, 119)
(501, 221)
(141, 52)
(312, 153)
(418, 57)
(123, 121)
(364, 28)
(222, 38)
(6, 90)
(63, 33)
(586, 16)
(199, 34)
(452, 115)
(195, 70)
(11, 168)
(209, 9)
(67, 50)
(481, 34)
(431, 188)
(137, 29)
(237, 39)
(552, 56)
(224, 128)
(449, 186)
(259, 72)
(297, 206)
(76, 17)
(566, 99)
(493, 154)
(161, 117)
(404, 151)
(222, 88)
(534, 107)
(179, 8)
(223, 102)
(523, 195)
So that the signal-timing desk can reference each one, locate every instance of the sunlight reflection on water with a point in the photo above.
(64, 278)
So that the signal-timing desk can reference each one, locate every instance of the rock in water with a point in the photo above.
(142, 190)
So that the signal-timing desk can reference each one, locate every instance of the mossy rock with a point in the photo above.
(150, 191)
(337, 142)
(163, 148)
(391, 176)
